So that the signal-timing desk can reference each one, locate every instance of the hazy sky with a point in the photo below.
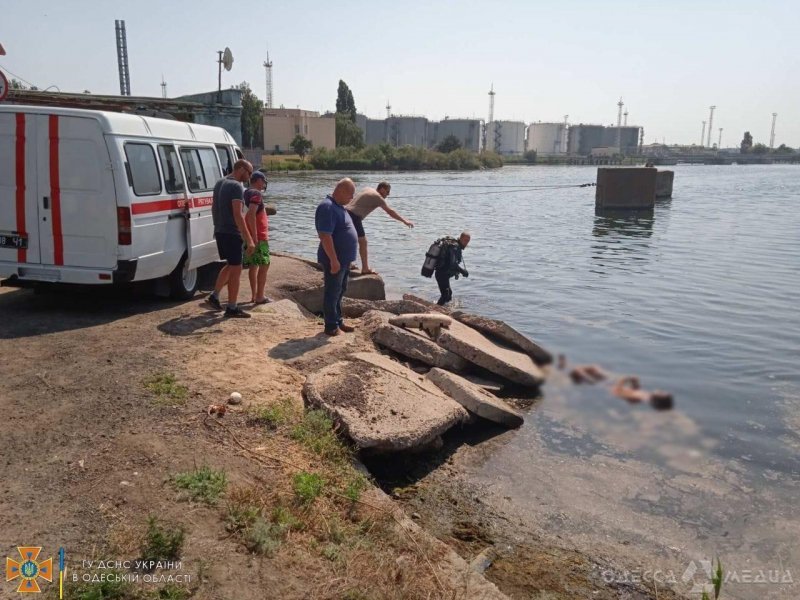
(669, 60)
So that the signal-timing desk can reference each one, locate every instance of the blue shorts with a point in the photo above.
(229, 247)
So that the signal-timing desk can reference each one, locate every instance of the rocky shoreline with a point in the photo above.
(427, 356)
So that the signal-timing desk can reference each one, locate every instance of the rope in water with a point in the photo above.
(507, 191)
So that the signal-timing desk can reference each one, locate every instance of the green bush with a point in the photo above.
(410, 158)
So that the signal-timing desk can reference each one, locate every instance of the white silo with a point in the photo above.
(547, 138)
(505, 137)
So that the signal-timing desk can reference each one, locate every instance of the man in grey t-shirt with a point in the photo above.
(230, 230)
(363, 204)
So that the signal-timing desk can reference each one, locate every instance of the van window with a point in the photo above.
(142, 168)
(194, 172)
(208, 160)
(225, 160)
(173, 177)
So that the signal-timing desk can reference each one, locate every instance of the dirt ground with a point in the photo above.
(89, 454)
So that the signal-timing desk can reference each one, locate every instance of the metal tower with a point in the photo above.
(619, 125)
(268, 67)
(491, 104)
(772, 133)
(703, 134)
(122, 59)
(719, 141)
(388, 109)
(625, 114)
(163, 87)
(710, 123)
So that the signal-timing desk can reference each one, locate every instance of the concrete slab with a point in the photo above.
(283, 309)
(498, 359)
(365, 287)
(430, 323)
(475, 399)
(353, 308)
(380, 408)
(506, 333)
(418, 345)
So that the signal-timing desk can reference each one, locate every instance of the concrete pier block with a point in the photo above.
(625, 187)
(664, 181)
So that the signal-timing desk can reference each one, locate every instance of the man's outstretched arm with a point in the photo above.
(396, 216)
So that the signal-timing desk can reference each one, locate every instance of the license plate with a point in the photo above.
(8, 240)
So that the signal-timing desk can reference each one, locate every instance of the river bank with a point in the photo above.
(107, 397)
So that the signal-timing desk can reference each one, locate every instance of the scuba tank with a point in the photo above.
(431, 258)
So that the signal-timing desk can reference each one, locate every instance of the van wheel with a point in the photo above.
(183, 282)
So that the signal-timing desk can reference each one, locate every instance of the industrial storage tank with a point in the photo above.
(547, 138)
(407, 131)
(584, 138)
(467, 131)
(627, 137)
(376, 132)
(505, 137)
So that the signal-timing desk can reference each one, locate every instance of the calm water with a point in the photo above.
(700, 297)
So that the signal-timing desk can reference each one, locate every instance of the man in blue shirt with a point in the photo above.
(338, 247)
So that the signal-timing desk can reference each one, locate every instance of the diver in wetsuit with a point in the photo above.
(448, 265)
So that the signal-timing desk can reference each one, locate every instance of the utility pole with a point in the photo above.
(565, 135)
(719, 142)
(388, 109)
(619, 125)
(703, 135)
(163, 87)
(626, 117)
(710, 123)
(268, 68)
(772, 133)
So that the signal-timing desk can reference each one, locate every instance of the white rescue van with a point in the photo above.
(92, 197)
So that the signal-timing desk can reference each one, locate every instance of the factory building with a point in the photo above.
(505, 137)
(281, 125)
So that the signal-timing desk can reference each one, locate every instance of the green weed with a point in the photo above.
(162, 542)
(316, 433)
(241, 516)
(283, 518)
(355, 487)
(203, 484)
(307, 486)
(273, 415)
(264, 538)
(166, 388)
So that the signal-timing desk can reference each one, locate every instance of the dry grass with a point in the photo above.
(355, 548)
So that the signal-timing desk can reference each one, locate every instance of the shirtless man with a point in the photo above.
(359, 208)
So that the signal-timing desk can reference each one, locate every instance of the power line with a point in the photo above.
(15, 76)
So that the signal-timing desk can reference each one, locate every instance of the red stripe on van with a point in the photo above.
(22, 253)
(142, 208)
(55, 193)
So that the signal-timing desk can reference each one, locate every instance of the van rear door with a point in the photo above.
(76, 200)
(19, 219)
